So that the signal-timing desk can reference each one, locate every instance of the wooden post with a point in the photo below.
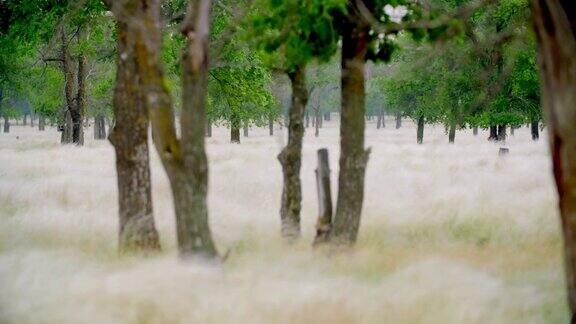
(324, 224)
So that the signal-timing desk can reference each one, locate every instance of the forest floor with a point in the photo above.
(449, 234)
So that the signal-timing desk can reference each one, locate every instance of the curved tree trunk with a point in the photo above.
(555, 26)
(130, 140)
(291, 156)
(353, 156)
(420, 130)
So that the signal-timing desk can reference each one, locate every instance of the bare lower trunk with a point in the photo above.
(534, 131)
(353, 156)
(323, 186)
(493, 133)
(6, 125)
(79, 107)
(318, 120)
(271, 126)
(555, 26)
(245, 130)
(398, 121)
(99, 127)
(41, 123)
(420, 130)
(25, 120)
(130, 139)
(291, 157)
(475, 130)
(452, 133)
(379, 121)
(235, 135)
(70, 81)
(308, 119)
(327, 116)
(501, 134)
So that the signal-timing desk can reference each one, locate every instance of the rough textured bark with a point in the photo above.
(130, 140)
(291, 156)
(398, 121)
(420, 130)
(555, 26)
(534, 131)
(184, 159)
(69, 85)
(353, 156)
(77, 113)
(323, 186)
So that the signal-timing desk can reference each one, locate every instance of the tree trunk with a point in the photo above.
(323, 186)
(235, 134)
(208, 128)
(80, 104)
(398, 121)
(99, 127)
(501, 136)
(70, 81)
(130, 140)
(291, 156)
(379, 121)
(327, 116)
(308, 119)
(25, 119)
(493, 133)
(555, 26)
(184, 159)
(245, 129)
(31, 120)
(452, 133)
(41, 123)
(420, 130)
(475, 130)
(6, 124)
(534, 130)
(318, 120)
(271, 126)
(353, 156)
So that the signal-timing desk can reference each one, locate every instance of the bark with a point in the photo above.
(6, 125)
(80, 105)
(99, 127)
(555, 25)
(317, 124)
(130, 140)
(308, 119)
(235, 134)
(41, 123)
(31, 120)
(353, 156)
(245, 130)
(323, 186)
(208, 128)
(25, 120)
(271, 126)
(534, 130)
(475, 130)
(493, 133)
(327, 116)
(452, 133)
(70, 81)
(379, 121)
(398, 121)
(420, 130)
(184, 159)
(291, 156)
(501, 134)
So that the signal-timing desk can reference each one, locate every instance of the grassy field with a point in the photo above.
(450, 234)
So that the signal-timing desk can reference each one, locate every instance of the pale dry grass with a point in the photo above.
(450, 234)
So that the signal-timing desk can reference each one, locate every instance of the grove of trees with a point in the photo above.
(179, 67)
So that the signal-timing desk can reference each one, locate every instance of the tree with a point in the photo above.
(555, 25)
(294, 32)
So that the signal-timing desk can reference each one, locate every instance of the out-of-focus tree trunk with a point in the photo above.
(475, 130)
(555, 26)
(501, 134)
(80, 104)
(398, 120)
(271, 126)
(420, 130)
(99, 127)
(70, 81)
(41, 123)
(184, 159)
(208, 128)
(353, 156)
(6, 124)
(534, 131)
(129, 137)
(493, 133)
(291, 156)
(452, 132)
(245, 129)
